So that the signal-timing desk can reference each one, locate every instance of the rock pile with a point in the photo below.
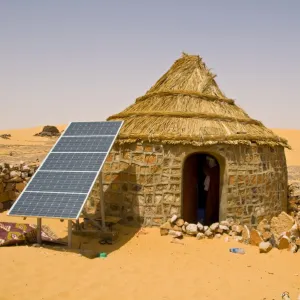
(282, 232)
(13, 179)
(5, 136)
(49, 131)
(294, 198)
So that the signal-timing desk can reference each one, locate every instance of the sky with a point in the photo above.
(63, 61)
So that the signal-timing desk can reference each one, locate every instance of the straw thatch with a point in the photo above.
(186, 106)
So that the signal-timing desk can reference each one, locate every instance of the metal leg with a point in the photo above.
(70, 233)
(39, 231)
(102, 203)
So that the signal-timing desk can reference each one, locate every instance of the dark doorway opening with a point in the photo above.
(201, 188)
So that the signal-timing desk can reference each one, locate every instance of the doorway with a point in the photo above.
(201, 189)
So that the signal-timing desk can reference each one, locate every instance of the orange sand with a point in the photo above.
(142, 266)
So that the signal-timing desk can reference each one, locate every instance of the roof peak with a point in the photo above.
(188, 73)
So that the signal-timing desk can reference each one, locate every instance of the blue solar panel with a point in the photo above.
(84, 144)
(54, 205)
(73, 161)
(93, 128)
(62, 184)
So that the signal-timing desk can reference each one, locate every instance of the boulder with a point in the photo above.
(166, 225)
(200, 226)
(214, 226)
(200, 236)
(205, 228)
(255, 237)
(180, 222)
(265, 247)
(191, 229)
(284, 243)
(173, 219)
(208, 233)
(282, 223)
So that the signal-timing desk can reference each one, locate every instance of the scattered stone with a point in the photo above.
(173, 219)
(186, 224)
(205, 228)
(237, 228)
(191, 229)
(164, 231)
(208, 233)
(180, 222)
(218, 236)
(214, 226)
(225, 223)
(200, 226)
(284, 243)
(200, 236)
(294, 248)
(246, 234)
(166, 225)
(183, 229)
(266, 236)
(224, 227)
(255, 238)
(282, 223)
(177, 228)
(265, 247)
(261, 225)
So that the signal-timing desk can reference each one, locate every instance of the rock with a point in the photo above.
(24, 175)
(298, 242)
(177, 228)
(246, 234)
(191, 229)
(218, 236)
(174, 233)
(200, 226)
(265, 247)
(214, 226)
(224, 227)
(205, 228)
(186, 224)
(282, 223)
(173, 219)
(25, 168)
(261, 225)
(225, 223)
(183, 229)
(294, 248)
(267, 227)
(255, 238)
(164, 231)
(295, 231)
(180, 222)
(20, 186)
(284, 243)
(266, 236)
(15, 174)
(208, 233)
(15, 179)
(166, 225)
(237, 228)
(200, 236)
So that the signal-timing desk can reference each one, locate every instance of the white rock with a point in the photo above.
(208, 233)
(174, 218)
(200, 226)
(225, 223)
(218, 235)
(191, 229)
(200, 236)
(205, 228)
(265, 247)
(175, 233)
(224, 227)
(214, 226)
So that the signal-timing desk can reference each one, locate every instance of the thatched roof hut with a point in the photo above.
(186, 106)
(187, 149)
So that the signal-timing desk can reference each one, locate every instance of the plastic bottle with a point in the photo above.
(237, 250)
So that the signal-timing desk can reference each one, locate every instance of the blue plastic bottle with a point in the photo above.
(237, 250)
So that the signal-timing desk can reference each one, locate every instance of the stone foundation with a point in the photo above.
(143, 182)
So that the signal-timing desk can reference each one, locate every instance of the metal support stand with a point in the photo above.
(39, 231)
(102, 202)
(70, 233)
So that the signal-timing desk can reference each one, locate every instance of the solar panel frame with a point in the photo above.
(91, 187)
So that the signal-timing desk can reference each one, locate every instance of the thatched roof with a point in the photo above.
(186, 106)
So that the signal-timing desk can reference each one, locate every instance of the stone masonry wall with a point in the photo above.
(142, 182)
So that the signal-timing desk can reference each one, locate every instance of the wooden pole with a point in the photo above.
(102, 202)
(39, 231)
(70, 234)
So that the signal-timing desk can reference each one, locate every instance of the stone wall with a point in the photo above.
(13, 179)
(142, 182)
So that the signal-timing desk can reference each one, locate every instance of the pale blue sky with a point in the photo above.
(63, 61)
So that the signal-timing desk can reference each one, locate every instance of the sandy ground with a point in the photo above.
(140, 266)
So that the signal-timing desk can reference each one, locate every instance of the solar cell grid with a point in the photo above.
(61, 185)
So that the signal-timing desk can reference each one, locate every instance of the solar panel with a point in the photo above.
(60, 187)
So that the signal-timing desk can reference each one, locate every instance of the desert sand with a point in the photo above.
(141, 264)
